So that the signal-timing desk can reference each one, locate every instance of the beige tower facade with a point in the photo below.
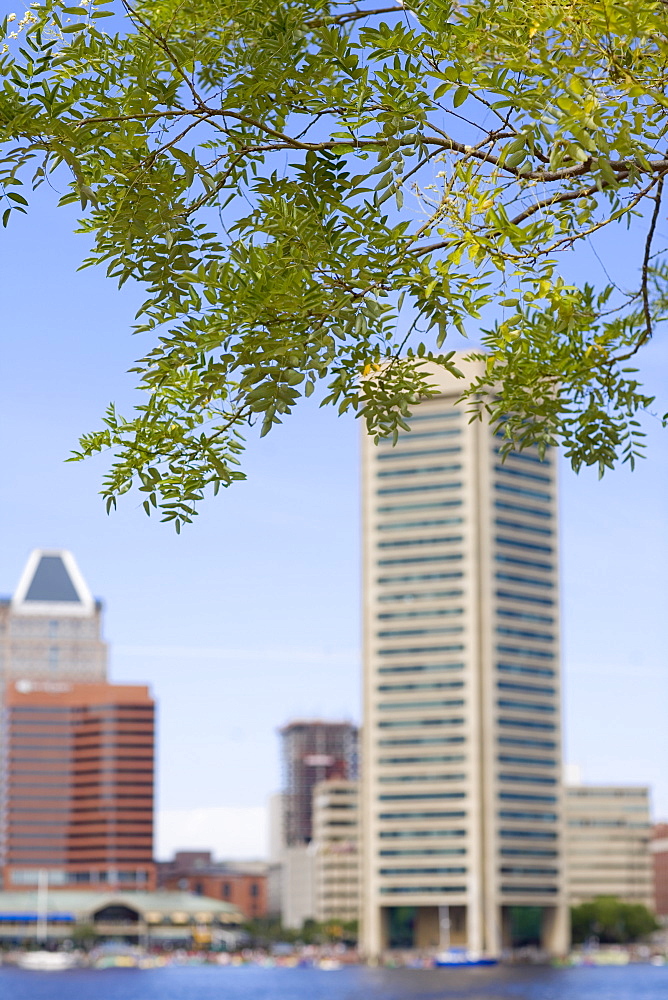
(337, 854)
(461, 796)
(608, 849)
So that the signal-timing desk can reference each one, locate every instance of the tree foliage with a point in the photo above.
(325, 190)
(612, 921)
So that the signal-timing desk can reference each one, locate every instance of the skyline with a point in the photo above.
(252, 564)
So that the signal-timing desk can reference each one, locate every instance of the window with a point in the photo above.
(528, 581)
(536, 477)
(408, 438)
(518, 633)
(525, 706)
(421, 650)
(425, 470)
(424, 488)
(254, 889)
(430, 613)
(528, 852)
(412, 560)
(381, 456)
(402, 633)
(525, 688)
(520, 509)
(434, 415)
(533, 671)
(421, 796)
(532, 761)
(539, 890)
(404, 723)
(518, 544)
(421, 741)
(415, 668)
(453, 575)
(403, 889)
(423, 852)
(226, 890)
(422, 595)
(434, 505)
(419, 834)
(529, 779)
(410, 706)
(459, 870)
(533, 817)
(529, 834)
(427, 686)
(511, 595)
(539, 654)
(520, 491)
(455, 758)
(527, 724)
(526, 616)
(520, 797)
(403, 542)
(451, 814)
(436, 523)
(513, 741)
(531, 563)
(535, 529)
(524, 456)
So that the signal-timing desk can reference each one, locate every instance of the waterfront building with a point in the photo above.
(173, 919)
(241, 884)
(659, 851)
(336, 839)
(50, 629)
(608, 843)
(77, 785)
(461, 791)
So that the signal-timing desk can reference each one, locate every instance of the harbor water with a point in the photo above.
(633, 982)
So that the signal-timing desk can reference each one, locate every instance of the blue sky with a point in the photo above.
(251, 616)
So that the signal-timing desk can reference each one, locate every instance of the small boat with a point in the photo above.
(457, 958)
(47, 961)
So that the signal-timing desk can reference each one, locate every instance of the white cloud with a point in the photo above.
(234, 832)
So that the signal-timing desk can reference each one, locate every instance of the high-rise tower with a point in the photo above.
(461, 803)
(51, 628)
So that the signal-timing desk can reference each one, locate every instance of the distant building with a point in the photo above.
(659, 851)
(241, 884)
(462, 811)
(77, 785)
(50, 630)
(336, 838)
(608, 843)
(312, 751)
(168, 918)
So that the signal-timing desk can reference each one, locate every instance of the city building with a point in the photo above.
(608, 843)
(173, 919)
(51, 628)
(659, 851)
(312, 751)
(461, 792)
(77, 785)
(241, 884)
(337, 862)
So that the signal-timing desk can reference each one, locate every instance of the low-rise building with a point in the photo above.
(148, 918)
(241, 884)
(608, 843)
(337, 854)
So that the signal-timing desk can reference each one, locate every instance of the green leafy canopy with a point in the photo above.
(293, 182)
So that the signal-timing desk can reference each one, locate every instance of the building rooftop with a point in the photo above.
(151, 906)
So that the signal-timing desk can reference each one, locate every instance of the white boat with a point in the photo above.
(46, 961)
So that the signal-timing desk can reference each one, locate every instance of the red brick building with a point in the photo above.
(659, 849)
(78, 785)
(242, 885)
